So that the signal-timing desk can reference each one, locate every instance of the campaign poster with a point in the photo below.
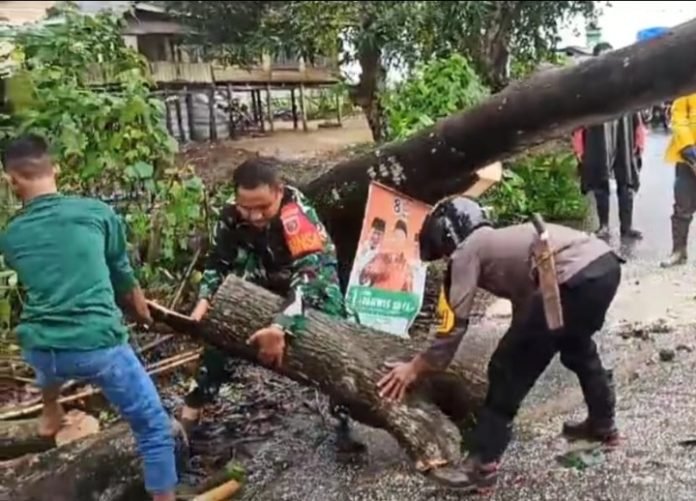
(387, 280)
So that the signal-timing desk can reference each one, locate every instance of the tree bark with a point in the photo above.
(366, 93)
(442, 159)
(105, 466)
(345, 360)
(20, 437)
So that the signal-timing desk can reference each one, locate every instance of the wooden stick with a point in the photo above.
(18, 379)
(220, 493)
(188, 354)
(68, 385)
(154, 369)
(187, 275)
(37, 400)
(154, 344)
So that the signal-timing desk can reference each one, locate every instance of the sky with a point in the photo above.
(620, 23)
(622, 20)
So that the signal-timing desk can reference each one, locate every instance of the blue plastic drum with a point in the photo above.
(650, 33)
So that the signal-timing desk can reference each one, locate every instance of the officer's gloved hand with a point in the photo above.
(689, 154)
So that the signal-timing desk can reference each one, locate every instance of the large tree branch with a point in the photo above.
(441, 160)
(345, 360)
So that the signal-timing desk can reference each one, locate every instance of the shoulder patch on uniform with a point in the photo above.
(301, 235)
(445, 315)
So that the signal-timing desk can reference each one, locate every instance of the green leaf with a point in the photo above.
(140, 171)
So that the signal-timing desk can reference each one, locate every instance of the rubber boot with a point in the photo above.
(602, 202)
(600, 396)
(680, 237)
(626, 215)
(346, 443)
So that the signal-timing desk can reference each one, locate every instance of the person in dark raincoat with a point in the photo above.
(613, 147)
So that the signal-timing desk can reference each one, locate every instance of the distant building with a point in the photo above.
(575, 53)
(16, 13)
(593, 34)
(194, 89)
(153, 32)
(149, 29)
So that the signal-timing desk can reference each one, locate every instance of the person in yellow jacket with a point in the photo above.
(682, 152)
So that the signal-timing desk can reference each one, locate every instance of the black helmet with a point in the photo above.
(448, 224)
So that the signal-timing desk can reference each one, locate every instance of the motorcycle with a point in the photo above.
(660, 115)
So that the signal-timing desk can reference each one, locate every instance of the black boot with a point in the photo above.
(680, 237)
(346, 443)
(626, 215)
(471, 476)
(600, 397)
(602, 202)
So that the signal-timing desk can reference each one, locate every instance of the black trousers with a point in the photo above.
(625, 195)
(684, 193)
(528, 347)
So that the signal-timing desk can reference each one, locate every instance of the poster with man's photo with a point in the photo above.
(387, 281)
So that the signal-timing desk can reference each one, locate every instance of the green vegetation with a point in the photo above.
(109, 142)
(434, 90)
(545, 183)
(492, 35)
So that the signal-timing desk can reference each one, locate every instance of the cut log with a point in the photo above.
(21, 436)
(345, 360)
(103, 466)
(440, 160)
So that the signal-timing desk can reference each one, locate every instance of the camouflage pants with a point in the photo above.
(218, 368)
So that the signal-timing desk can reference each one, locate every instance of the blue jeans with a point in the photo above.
(126, 384)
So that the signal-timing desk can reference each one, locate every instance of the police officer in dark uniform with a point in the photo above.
(269, 234)
(501, 262)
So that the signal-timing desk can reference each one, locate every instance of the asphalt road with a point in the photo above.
(652, 206)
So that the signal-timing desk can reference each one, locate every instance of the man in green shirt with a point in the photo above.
(70, 256)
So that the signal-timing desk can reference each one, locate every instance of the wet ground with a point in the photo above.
(653, 312)
(216, 161)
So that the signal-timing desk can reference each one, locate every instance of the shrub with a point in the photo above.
(435, 90)
(546, 183)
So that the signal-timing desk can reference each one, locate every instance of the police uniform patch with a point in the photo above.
(301, 235)
(445, 314)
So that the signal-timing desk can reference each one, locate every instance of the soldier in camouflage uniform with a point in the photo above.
(269, 235)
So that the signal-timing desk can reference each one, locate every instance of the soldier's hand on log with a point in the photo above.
(271, 343)
(393, 386)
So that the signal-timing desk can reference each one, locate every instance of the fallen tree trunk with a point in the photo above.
(441, 160)
(21, 437)
(340, 358)
(103, 466)
(345, 360)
